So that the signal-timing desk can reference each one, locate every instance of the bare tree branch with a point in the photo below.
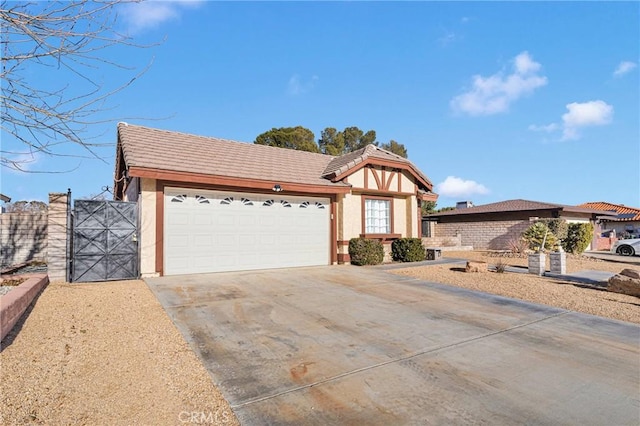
(40, 39)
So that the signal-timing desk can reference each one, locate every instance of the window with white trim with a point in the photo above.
(377, 215)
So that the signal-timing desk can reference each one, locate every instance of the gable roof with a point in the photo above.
(149, 152)
(623, 212)
(352, 161)
(148, 148)
(513, 206)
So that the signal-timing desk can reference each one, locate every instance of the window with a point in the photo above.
(377, 216)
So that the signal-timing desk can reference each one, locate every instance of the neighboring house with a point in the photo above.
(624, 220)
(209, 205)
(493, 226)
(4, 199)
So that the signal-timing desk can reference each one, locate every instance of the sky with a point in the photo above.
(493, 100)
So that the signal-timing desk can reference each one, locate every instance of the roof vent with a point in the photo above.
(463, 205)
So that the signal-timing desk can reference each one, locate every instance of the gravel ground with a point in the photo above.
(547, 291)
(97, 354)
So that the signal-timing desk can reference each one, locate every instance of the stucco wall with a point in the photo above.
(357, 178)
(23, 237)
(147, 231)
(351, 217)
(494, 235)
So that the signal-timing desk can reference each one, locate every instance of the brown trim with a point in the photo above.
(382, 237)
(380, 192)
(344, 258)
(376, 177)
(245, 184)
(343, 242)
(366, 178)
(384, 179)
(400, 176)
(333, 246)
(387, 163)
(363, 217)
(391, 176)
(428, 197)
(159, 228)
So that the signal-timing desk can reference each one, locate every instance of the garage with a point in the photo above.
(216, 231)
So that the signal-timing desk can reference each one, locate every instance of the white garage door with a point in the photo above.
(213, 231)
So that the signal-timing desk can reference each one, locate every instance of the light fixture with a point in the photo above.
(277, 188)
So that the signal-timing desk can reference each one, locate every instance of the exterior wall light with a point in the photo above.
(277, 188)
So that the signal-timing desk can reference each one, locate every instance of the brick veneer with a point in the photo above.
(494, 235)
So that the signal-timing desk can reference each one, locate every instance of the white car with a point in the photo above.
(628, 247)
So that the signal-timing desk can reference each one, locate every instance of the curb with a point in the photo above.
(16, 302)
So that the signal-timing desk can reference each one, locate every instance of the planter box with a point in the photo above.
(558, 262)
(537, 262)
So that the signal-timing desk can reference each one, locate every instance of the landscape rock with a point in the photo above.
(625, 285)
(476, 266)
(633, 273)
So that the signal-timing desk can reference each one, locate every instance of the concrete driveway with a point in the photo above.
(349, 345)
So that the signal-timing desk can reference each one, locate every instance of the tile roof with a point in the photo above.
(344, 163)
(630, 213)
(174, 151)
(512, 206)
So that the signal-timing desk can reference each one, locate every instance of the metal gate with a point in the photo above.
(104, 241)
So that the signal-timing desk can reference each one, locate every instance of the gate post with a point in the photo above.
(57, 261)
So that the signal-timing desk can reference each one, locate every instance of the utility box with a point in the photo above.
(434, 253)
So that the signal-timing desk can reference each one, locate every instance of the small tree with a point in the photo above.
(579, 236)
(539, 237)
(559, 227)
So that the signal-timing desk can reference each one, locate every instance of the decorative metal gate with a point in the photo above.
(104, 241)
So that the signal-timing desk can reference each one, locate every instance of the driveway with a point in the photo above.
(349, 345)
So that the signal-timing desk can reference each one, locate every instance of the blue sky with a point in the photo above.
(493, 100)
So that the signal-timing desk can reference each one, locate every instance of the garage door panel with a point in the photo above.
(210, 231)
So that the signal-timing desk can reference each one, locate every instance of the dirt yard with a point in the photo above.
(547, 291)
(107, 353)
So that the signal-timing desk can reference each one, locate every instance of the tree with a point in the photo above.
(396, 148)
(298, 137)
(428, 207)
(42, 39)
(27, 207)
(334, 142)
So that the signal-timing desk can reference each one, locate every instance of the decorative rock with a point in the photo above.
(632, 273)
(625, 285)
(476, 267)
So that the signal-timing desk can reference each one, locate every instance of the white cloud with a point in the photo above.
(457, 187)
(297, 87)
(152, 13)
(545, 128)
(494, 94)
(592, 113)
(24, 162)
(624, 67)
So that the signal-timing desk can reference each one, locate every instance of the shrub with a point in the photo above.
(365, 252)
(535, 235)
(408, 250)
(559, 227)
(517, 245)
(579, 235)
(501, 266)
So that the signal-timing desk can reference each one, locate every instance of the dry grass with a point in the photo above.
(536, 289)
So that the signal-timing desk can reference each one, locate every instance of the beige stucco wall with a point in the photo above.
(147, 231)
(399, 216)
(407, 185)
(357, 178)
(351, 209)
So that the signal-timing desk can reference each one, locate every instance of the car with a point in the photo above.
(628, 247)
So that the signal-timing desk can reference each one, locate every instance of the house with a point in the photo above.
(493, 226)
(625, 221)
(210, 205)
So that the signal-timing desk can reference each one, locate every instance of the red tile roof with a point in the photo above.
(630, 213)
(513, 206)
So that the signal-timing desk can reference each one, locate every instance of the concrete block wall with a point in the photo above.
(23, 237)
(492, 235)
(444, 241)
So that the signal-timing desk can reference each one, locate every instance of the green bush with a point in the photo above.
(535, 234)
(365, 252)
(559, 227)
(408, 250)
(579, 236)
